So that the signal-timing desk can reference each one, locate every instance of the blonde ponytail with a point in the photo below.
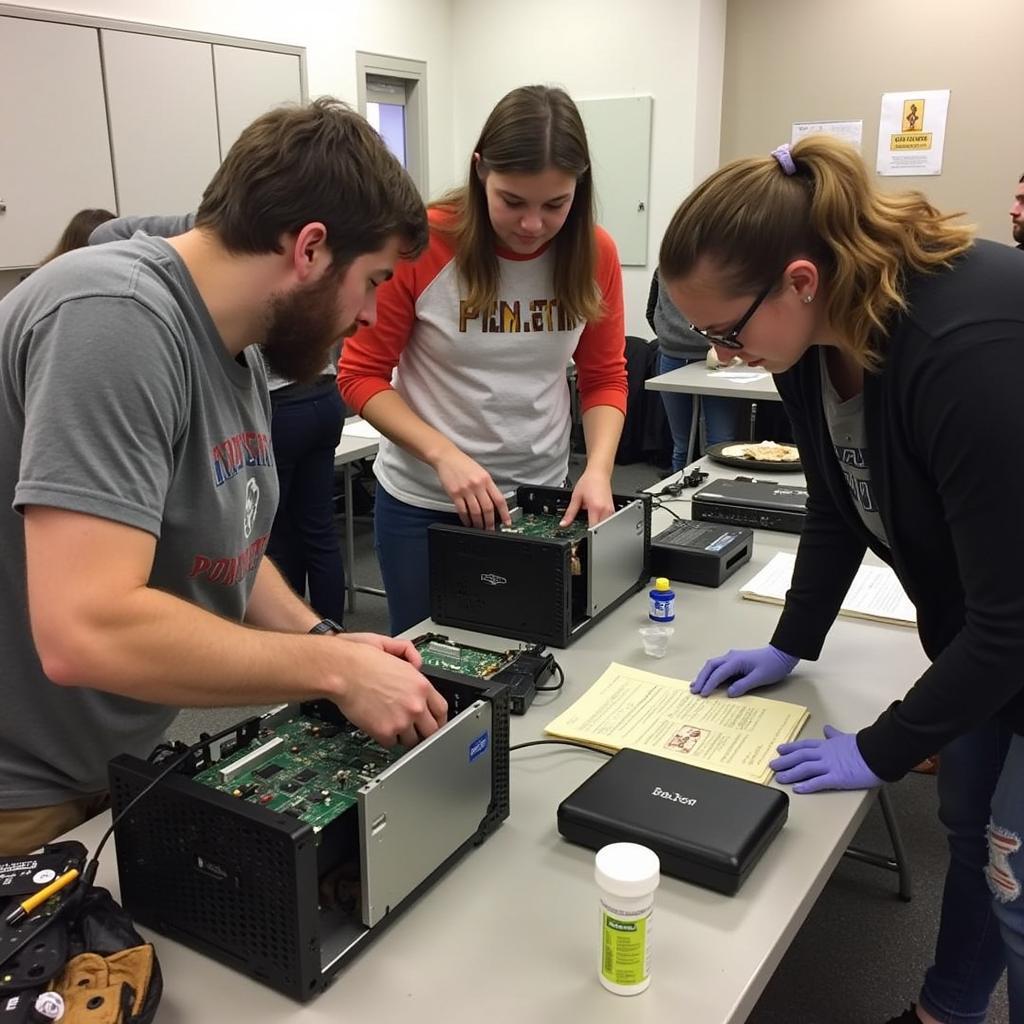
(752, 218)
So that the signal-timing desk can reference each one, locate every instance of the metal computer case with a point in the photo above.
(240, 883)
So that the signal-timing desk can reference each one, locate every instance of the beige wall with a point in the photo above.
(808, 60)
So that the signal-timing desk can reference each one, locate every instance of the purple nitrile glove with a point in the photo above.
(748, 669)
(832, 763)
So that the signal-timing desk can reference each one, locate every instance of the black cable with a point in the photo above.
(558, 685)
(89, 874)
(80, 890)
(659, 503)
(692, 479)
(560, 743)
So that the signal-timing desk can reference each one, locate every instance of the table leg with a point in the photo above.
(691, 446)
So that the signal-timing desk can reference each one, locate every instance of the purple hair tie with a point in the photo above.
(785, 158)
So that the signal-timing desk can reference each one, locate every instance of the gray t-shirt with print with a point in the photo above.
(846, 428)
(119, 400)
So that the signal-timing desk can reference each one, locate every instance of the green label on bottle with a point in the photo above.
(624, 956)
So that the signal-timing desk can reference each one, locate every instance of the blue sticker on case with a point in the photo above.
(478, 747)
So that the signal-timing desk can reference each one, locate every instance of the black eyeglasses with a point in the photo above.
(730, 340)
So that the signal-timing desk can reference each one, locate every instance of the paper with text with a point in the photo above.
(628, 707)
(875, 593)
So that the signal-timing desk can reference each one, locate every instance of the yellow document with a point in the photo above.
(627, 707)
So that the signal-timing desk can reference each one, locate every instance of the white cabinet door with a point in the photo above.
(55, 151)
(163, 120)
(249, 83)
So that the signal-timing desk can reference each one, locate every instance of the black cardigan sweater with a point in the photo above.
(944, 425)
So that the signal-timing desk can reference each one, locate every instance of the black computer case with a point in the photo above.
(524, 587)
(242, 884)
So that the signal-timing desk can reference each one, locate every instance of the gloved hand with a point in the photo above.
(749, 669)
(832, 763)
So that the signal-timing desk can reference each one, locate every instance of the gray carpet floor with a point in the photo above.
(861, 954)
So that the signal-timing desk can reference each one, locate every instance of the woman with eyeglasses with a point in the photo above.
(896, 341)
(464, 372)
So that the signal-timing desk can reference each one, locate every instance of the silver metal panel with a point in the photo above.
(424, 807)
(616, 556)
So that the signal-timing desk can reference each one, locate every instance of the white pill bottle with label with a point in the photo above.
(627, 875)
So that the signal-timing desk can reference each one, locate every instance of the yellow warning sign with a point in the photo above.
(915, 140)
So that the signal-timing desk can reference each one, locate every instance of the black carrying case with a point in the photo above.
(706, 827)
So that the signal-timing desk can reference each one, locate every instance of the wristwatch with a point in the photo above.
(327, 626)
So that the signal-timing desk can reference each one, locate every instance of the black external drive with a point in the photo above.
(706, 827)
(700, 553)
(759, 504)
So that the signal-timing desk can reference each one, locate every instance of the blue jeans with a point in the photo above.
(978, 780)
(304, 543)
(400, 539)
(1006, 869)
(719, 415)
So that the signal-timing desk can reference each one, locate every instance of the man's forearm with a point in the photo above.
(274, 605)
(156, 647)
(602, 428)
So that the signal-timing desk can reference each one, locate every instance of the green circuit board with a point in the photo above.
(305, 768)
(476, 662)
(536, 524)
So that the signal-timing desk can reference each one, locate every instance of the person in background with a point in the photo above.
(465, 371)
(136, 461)
(680, 345)
(1017, 214)
(882, 321)
(77, 232)
(306, 427)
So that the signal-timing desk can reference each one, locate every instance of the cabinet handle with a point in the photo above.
(3, 206)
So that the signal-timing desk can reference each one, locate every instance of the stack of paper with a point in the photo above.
(875, 593)
(630, 708)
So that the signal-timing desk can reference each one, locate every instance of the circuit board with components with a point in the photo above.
(476, 662)
(537, 524)
(305, 768)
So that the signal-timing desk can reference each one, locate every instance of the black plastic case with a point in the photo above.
(692, 552)
(707, 828)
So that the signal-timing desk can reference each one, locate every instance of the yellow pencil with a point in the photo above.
(39, 898)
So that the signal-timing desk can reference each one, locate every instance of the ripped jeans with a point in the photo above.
(981, 929)
(1005, 871)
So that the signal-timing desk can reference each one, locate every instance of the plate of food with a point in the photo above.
(768, 455)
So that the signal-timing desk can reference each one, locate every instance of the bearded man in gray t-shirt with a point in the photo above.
(135, 453)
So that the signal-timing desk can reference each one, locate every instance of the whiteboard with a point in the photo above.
(619, 135)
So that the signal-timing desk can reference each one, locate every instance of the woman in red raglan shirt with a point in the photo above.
(464, 371)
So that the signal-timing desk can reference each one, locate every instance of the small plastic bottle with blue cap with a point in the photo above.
(662, 601)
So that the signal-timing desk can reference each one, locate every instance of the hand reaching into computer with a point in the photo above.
(385, 695)
(747, 669)
(404, 649)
